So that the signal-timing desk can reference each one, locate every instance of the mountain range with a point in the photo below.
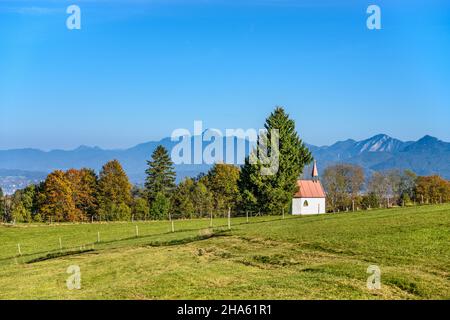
(425, 156)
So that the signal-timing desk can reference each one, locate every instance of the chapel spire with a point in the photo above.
(315, 172)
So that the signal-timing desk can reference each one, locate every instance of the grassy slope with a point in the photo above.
(296, 258)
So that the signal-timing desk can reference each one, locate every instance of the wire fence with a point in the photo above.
(99, 235)
(61, 239)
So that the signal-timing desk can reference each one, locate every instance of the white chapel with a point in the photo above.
(310, 197)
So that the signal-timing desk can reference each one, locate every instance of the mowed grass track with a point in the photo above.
(313, 257)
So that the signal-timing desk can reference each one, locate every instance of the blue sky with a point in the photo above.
(139, 69)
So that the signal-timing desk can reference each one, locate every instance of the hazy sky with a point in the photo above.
(137, 70)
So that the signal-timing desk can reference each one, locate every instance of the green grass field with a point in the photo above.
(312, 257)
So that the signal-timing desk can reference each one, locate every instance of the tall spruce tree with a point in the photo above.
(160, 175)
(273, 193)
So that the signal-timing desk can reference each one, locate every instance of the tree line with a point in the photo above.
(82, 195)
(348, 188)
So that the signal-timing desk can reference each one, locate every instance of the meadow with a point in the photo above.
(307, 257)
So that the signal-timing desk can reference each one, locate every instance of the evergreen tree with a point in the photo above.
(272, 193)
(38, 201)
(160, 207)
(160, 174)
(250, 186)
(114, 192)
(137, 192)
(182, 205)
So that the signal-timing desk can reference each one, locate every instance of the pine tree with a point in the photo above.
(272, 193)
(114, 192)
(250, 186)
(160, 175)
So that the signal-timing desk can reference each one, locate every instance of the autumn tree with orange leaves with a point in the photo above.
(58, 204)
(432, 189)
(84, 186)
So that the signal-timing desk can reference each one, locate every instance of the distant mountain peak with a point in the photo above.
(381, 136)
(379, 143)
(429, 144)
(380, 152)
(428, 138)
(85, 148)
(82, 147)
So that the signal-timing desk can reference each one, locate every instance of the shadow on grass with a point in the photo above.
(175, 242)
(58, 255)
(57, 252)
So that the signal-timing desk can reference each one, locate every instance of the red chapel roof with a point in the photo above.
(309, 189)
